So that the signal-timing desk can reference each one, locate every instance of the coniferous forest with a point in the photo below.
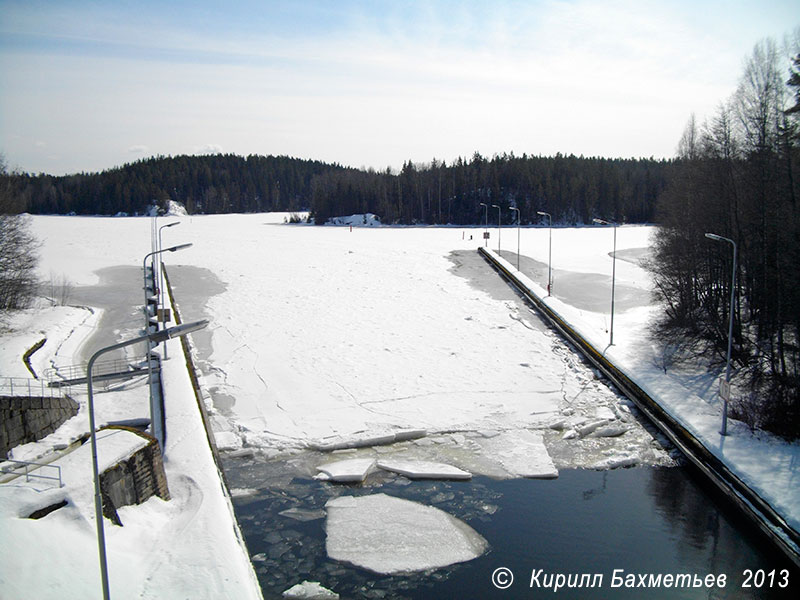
(573, 189)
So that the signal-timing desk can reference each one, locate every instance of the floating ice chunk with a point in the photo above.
(242, 453)
(409, 434)
(604, 412)
(616, 462)
(302, 514)
(390, 535)
(227, 440)
(585, 430)
(422, 469)
(243, 492)
(488, 433)
(365, 441)
(611, 430)
(312, 590)
(346, 471)
(570, 434)
(521, 453)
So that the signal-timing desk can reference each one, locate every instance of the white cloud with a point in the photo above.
(138, 149)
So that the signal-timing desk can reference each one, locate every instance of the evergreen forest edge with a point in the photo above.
(572, 189)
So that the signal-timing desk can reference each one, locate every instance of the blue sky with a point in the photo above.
(86, 86)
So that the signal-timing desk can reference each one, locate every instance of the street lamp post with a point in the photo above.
(156, 337)
(726, 394)
(613, 274)
(498, 228)
(518, 220)
(161, 277)
(155, 409)
(550, 250)
(486, 225)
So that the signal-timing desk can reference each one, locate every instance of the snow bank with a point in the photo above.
(390, 535)
(363, 220)
(175, 209)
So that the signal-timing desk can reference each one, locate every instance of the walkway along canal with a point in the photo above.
(717, 472)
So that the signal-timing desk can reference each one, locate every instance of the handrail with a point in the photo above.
(25, 387)
(28, 473)
(105, 367)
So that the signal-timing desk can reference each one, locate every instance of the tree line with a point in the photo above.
(210, 184)
(572, 189)
(738, 176)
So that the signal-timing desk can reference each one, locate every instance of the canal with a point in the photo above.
(608, 526)
(638, 521)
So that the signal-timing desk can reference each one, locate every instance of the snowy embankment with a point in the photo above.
(766, 464)
(187, 546)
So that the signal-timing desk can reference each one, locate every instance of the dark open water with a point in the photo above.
(640, 520)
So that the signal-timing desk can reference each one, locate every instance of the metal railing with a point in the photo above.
(22, 387)
(4, 469)
(112, 366)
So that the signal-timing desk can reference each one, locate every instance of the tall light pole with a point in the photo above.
(156, 337)
(550, 251)
(156, 418)
(518, 220)
(613, 273)
(161, 277)
(498, 228)
(726, 394)
(486, 226)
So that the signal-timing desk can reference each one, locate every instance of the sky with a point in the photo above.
(86, 86)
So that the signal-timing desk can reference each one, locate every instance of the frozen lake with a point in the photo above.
(324, 338)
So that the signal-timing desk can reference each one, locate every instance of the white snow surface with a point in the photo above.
(392, 535)
(324, 335)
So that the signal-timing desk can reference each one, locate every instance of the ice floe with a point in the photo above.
(521, 453)
(617, 462)
(390, 535)
(423, 469)
(309, 590)
(365, 440)
(351, 470)
(302, 514)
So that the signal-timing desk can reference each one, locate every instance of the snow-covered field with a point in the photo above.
(332, 337)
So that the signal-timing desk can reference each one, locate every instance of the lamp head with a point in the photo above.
(177, 331)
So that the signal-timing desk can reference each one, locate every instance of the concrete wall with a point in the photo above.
(24, 420)
(135, 479)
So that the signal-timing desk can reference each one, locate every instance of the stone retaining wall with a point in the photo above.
(134, 479)
(24, 420)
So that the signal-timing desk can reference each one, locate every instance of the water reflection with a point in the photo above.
(643, 520)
